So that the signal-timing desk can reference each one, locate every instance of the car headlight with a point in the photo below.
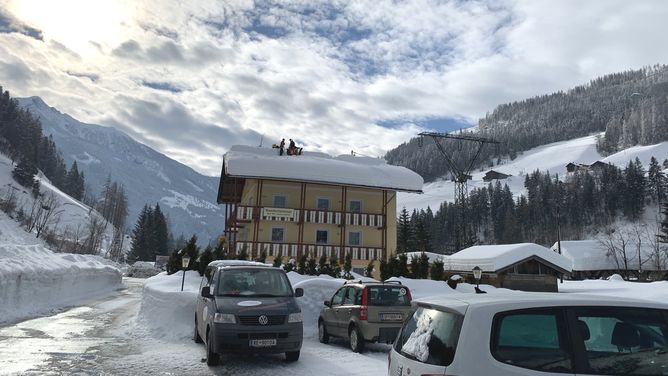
(295, 317)
(224, 318)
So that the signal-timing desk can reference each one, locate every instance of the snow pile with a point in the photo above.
(142, 269)
(35, 280)
(654, 291)
(166, 311)
(316, 291)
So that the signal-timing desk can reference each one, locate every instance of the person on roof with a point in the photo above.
(293, 149)
(281, 146)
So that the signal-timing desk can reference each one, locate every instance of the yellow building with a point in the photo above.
(311, 204)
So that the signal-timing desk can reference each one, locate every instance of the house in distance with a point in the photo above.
(311, 204)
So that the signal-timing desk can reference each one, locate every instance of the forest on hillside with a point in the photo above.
(630, 107)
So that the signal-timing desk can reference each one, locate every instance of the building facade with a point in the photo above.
(311, 204)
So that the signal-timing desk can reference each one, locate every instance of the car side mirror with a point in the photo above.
(328, 303)
(206, 292)
(299, 292)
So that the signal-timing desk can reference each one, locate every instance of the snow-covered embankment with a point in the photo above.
(34, 280)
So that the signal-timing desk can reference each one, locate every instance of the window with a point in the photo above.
(338, 297)
(441, 343)
(323, 204)
(254, 282)
(533, 339)
(355, 206)
(388, 296)
(350, 297)
(280, 201)
(277, 234)
(354, 238)
(624, 341)
(321, 237)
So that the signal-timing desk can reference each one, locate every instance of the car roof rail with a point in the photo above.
(370, 282)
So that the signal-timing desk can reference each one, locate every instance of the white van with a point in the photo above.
(532, 334)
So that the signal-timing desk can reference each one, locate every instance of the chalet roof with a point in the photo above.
(265, 163)
(494, 258)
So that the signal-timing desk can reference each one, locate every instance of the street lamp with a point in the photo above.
(477, 274)
(184, 263)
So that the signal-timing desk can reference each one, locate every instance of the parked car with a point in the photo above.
(249, 308)
(365, 312)
(532, 334)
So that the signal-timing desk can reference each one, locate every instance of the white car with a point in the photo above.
(522, 333)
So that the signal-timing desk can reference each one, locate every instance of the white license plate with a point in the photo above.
(262, 342)
(391, 317)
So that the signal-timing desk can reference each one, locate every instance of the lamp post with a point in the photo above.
(184, 263)
(477, 274)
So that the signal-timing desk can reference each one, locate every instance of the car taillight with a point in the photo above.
(364, 310)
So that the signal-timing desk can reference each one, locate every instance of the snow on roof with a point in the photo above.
(255, 162)
(492, 258)
(586, 255)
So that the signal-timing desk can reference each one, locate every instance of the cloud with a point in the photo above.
(193, 78)
(9, 24)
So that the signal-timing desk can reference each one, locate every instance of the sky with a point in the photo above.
(191, 78)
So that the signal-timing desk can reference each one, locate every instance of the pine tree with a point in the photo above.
(311, 266)
(301, 264)
(24, 173)
(663, 237)
(402, 266)
(262, 257)
(656, 180)
(191, 250)
(204, 259)
(348, 265)
(323, 267)
(404, 231)
(437, 271)
(335, 268)
(423, 263)
(368, 271)
(385, 271)
(278, 260)
(415, 267)
(140, 247)
(160, 232)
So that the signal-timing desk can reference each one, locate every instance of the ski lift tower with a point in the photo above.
(461, 173)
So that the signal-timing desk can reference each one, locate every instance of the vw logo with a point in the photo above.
(263, 320)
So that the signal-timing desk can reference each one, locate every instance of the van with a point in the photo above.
(247, 307)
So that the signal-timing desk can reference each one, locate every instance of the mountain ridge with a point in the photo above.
(186, 196)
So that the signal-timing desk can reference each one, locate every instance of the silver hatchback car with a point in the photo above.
(532, 334)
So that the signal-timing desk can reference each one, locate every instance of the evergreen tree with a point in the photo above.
(437, 271)
(368, 271)
(140, 247)
(402, 266)
(663, 236)
(191, 250)
(311, 266)
(334, 266)
(219, 252)
(348, 265)
(205, 258)
(262, 257)
(385, 271)
(656, 181)
(423, 264)
(415, 267)
(323, 266)
(24, 173)
(278, 260)
(159, 232)
(243, 255)
(404, 231)
(301, 264)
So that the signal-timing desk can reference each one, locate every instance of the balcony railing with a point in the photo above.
(247, 213)
(316, 250)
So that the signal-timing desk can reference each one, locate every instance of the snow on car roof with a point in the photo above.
(492, 258)
(255, 162)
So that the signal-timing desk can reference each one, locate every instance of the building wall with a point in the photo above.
(371, 203)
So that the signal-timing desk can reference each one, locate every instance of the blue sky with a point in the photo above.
(192, 78)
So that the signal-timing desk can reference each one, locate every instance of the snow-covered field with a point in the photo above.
(34, 280)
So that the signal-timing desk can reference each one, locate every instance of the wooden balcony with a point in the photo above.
(248, 213)
(316, 250)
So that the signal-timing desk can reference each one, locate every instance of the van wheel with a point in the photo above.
(196, 336)
(356, 340)
(212, 359)
(323, 336)
(292, 356)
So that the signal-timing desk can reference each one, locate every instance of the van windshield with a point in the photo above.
(263, 282)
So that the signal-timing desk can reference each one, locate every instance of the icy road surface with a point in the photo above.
(102, 338)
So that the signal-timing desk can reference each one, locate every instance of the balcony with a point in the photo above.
(248, 213)
(317, 250)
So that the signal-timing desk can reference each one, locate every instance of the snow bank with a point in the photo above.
(654, 291)
(166, 311)
(316, 291)
(142, 269)
(34, 280)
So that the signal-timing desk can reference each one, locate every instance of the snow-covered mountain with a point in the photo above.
(551, 157)
(185, 196)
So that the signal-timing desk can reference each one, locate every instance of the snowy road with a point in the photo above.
(102, 338)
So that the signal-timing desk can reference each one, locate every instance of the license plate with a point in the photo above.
(391, 317)
(262, 342)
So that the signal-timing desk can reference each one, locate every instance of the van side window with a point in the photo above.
(624, 341)
(533, 339)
